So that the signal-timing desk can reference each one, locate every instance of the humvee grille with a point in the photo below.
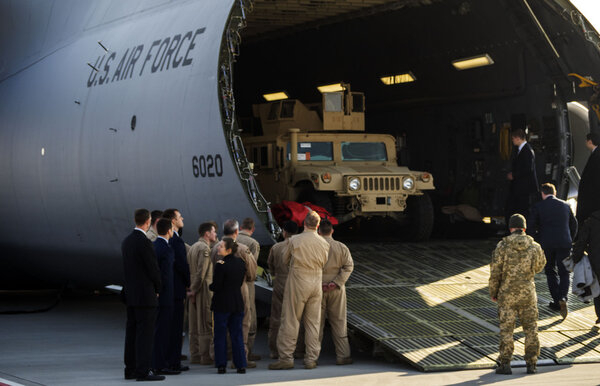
(381, 183)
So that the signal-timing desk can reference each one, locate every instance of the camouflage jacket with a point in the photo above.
(515, 262)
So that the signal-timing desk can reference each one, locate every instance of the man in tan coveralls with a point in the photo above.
(515, 262)
(280, 272)
(337, 270)
(306, 256)
(200, 317)
(231, 229)
(245, 237)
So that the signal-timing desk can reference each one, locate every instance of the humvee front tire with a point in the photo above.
(420, 211)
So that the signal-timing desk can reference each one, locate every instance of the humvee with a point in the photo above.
(323, 155)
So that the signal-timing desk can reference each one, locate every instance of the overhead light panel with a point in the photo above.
(275, 96)
(472, 62)
(331, 88)
(397, 79)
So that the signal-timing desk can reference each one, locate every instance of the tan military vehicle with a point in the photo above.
(323, 155)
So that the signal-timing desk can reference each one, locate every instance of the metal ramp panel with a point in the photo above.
(429, 305)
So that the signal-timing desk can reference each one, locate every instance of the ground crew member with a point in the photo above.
(245, 237)
(152, 233)
(231, 229)
(306, 255)
(200, 317)
(515, 262)
(280, 272)
(336, 272)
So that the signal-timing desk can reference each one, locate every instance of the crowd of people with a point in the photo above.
(213, 280)
(551, 240)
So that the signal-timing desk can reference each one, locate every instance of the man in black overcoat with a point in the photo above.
(141, 289)
(588, 200)
(523, 177)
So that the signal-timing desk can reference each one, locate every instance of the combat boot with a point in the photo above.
(310, 365)
(279, 365)
(504, 368)
(343, 361)
(531, 368)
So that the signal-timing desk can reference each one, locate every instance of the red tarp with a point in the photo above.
(296, 212)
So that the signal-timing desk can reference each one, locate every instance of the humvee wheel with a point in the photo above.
(420, 211)
(322, 199)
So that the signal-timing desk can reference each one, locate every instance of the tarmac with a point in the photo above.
(79, 341)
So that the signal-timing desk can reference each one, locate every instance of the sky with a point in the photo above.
(591, 10)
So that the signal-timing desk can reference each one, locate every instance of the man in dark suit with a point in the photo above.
(141, 289)
(553, 226)
(165, 257)
(588, 200)
(523, 177)
(181, 282)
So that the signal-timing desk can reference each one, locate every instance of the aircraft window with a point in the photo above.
(363, 151)
(333, 101)
(358, 104)
(287, 109)
(274, 111)
(313, 151)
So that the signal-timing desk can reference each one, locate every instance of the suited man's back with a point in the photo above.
(523, 168)
(165, 257)
(588, 200)
(142, 276)
(555, 223)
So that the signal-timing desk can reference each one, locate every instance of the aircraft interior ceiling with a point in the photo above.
(448, 121)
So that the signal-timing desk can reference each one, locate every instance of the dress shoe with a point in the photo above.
(221, 370)
(241, 371)
(343, 361)
(554, 306)
(564, 311)
(166, 371)
(310, 365)
(504, 368)
(531, 368)
(180, 368)
(279, 365)
(254, 357)
(150, 377)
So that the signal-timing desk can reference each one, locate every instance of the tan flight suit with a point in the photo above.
(200, 316)
(338, 268)
(515, 262)
(254, 248)
(151, 234)
(306, 255)
(243, 253)
(280, 272)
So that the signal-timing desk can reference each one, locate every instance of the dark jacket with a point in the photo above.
(589, 240)
(142, 276)
(552, 223)
(588, 200)
(523, 170)
(181, 269)
(228, 278)
(165, 257)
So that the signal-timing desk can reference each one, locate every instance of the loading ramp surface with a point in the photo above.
(429, 304)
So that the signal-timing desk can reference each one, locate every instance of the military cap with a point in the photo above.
(517, 221)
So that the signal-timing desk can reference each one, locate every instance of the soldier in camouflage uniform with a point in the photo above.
(515, 262)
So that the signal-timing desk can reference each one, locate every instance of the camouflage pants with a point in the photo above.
(528, 317)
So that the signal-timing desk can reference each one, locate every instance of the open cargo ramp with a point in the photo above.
(429, 304)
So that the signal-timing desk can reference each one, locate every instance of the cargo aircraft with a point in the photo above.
(107, 106)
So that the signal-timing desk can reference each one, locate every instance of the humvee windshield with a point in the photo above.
(313, 151)
(363, 151)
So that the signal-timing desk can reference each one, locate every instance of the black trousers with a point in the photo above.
(558, 281)
(176, 338)
(162, 333)
(139, 339)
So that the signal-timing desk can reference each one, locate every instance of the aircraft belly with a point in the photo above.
(74, 168)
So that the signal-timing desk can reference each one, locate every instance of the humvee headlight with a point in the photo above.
(354, 183)
(408, 183)
(326, 177)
